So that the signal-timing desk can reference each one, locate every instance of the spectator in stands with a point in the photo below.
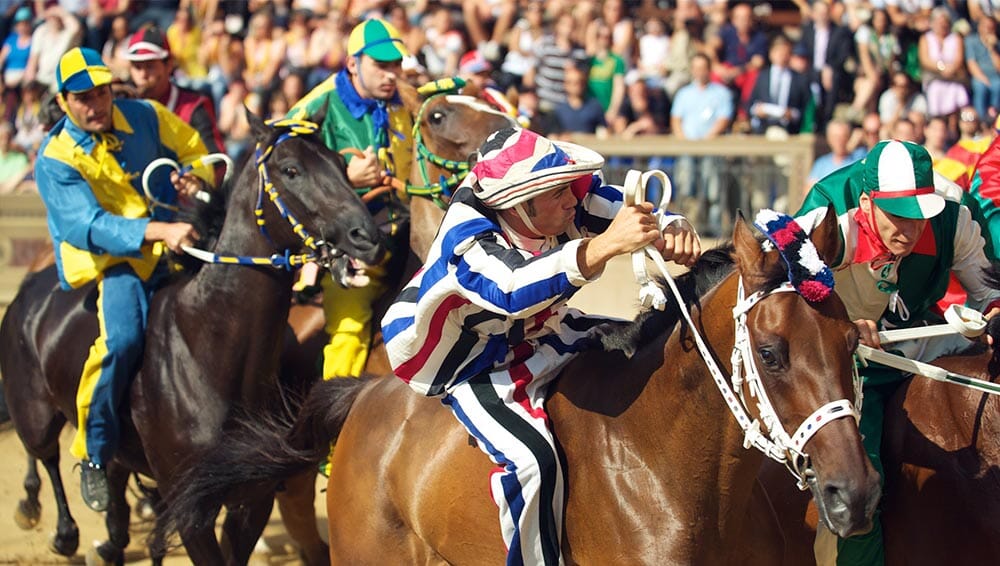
(16, 50)
(184, 35)
(983, 62)
(828, 47)
(151, 66)
(654, 46)
(297, 44)
(445, 43)
(480, 16)
(639, 115)
(780, 94)
(942, 64)
(476, 70)
(607, 79)
(685, 41)
(614, 14)
(869, 134)
(904, 130)
(264, 52)
(741, 51)
(878, 55)
(223, 53)
(899, 100)
(838, 133)
(114, 49)
(156, 12)
(936, 140)
(701, 110)
(100, 17)
(293, 88)
(232, 117)
(58, 33)
(580, 112)
(521, 45)
(29, 127)
(555, 52)
(960, 159)
(326, 49)
(14, 165)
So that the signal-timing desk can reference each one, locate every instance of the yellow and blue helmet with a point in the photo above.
(377, 39)
(81, 69)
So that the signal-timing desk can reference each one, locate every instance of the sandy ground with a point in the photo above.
(614, 294)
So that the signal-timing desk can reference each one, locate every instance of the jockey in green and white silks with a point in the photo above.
(363, 112)
(901, 240)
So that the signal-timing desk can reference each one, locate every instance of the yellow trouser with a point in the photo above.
(348, 315)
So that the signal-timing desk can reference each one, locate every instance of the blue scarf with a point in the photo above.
(359, 106)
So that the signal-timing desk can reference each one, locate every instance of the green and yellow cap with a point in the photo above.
(899, 179)
(81, 69)
(377, 39)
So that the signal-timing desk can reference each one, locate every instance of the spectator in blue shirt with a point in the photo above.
(581, 112)
(701, 110)
(838, 134)
(982, 60)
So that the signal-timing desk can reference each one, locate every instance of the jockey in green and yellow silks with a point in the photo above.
(363, 112)
(89, 171)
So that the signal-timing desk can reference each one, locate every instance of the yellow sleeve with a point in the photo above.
(182, 139)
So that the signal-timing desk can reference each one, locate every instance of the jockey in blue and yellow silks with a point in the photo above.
(89, 172)
(364, 112)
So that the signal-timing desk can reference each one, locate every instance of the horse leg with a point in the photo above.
(243, 526)
(66, 539)
(112, 551)
(29, 510)
(298, 512)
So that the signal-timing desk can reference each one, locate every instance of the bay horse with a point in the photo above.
(656, 467)
(941, 455)
(448, 130)
(213, 339)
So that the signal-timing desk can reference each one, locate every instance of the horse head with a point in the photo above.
(315, 208)
(806, 370)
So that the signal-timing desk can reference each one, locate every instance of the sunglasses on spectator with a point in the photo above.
(969, 117)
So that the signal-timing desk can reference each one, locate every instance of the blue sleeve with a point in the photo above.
(77, 218)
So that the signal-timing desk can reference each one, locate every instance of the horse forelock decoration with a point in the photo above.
(656, 468)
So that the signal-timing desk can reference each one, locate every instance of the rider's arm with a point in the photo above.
(970, 261)
(75, 214)
(178, 137)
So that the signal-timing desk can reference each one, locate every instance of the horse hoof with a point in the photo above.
(65, 544)
(104, 554)
(27, 514)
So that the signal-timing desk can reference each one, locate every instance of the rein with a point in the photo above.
(776, 443)
(285, 260)
(203, 196)
(444, 185)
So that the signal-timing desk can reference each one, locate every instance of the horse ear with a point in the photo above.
(826, 237)
(408, 94)
(319, 116)
(471, 89)
(747, 252)
(257, 126)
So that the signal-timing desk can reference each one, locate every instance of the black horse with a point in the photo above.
(212, 344)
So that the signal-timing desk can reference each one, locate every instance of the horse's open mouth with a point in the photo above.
(346, 270)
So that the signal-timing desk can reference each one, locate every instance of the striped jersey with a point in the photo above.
(487, 300)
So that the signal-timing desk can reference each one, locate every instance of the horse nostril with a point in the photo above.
(360, 238)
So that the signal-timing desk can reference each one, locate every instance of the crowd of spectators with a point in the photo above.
(696, 69)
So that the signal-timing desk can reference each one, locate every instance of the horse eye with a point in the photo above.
(767, 356)
(290, 171)
(437, 117)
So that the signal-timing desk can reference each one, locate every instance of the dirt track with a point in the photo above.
(614, 294)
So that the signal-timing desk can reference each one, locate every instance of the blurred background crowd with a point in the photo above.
(851, 71)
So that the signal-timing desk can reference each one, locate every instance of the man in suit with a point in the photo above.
(780, 95)
(827, 46)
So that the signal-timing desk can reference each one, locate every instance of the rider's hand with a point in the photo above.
(364, 170)
(988, 315)
(188, 185)
(632, 228)
(868, 333)
(173, 234)
(680, 244)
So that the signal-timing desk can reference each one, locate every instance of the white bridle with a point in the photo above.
(776, 443)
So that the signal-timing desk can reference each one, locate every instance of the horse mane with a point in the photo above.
(207, 219)
(710, 269)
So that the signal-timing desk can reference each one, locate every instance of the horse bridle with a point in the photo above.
(445, 185)
(776, 443)
(286, 260)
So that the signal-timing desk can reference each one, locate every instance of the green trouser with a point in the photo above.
(878, 385)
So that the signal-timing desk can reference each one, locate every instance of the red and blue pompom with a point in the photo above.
(806, 271)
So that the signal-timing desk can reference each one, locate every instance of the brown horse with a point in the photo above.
(657, 471)
(448, 130)
(941, 454)
(212, 342)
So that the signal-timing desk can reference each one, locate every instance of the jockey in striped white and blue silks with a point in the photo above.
(484, 324)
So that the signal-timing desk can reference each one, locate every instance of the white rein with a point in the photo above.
(776, 443)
